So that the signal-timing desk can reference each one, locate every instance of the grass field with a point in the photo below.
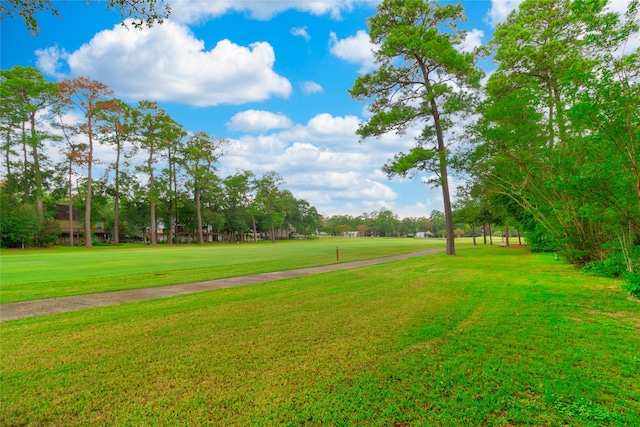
(494, 336)
(64, 271)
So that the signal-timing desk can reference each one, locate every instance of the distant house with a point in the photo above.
(100, 233)
(423, 234)
(351, 234)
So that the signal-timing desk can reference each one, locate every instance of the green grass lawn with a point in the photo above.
(494, 336)
(64, 271)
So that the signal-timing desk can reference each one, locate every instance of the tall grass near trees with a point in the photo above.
(494, 336)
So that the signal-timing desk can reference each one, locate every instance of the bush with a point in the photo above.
(613, 266)
(616, 266)
(22, 226)
(631, 283)
(540, 240)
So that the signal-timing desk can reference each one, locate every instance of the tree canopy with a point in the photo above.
(559, 128)
(141, 12)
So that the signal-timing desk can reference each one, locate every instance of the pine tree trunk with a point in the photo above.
(87, 214)
(199, 214)
(70, 204)
(255, 237)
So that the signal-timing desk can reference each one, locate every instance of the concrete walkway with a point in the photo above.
(20, 310)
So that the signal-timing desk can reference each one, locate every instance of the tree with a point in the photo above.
(606, 112)
(422, 80)
(467, 209)
(168, 183)
(385, 221)
(199, 154)
(308, 218)
(437, 221)
(85, 95)
(22, 226)
(155, 130)
(26, 94)
(562, 112)
(135, 212)
(75, 154)
(118, 121)
(269, 199)
(143, 12)
(237, 201)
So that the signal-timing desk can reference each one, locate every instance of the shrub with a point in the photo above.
(631, 283)
(614, 266)
(540, 240)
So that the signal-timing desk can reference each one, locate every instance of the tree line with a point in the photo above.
(550, 143)
(557, 145)
(485, 223)
(160, 173)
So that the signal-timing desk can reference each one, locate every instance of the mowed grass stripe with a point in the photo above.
(61, 271)
(494, 336)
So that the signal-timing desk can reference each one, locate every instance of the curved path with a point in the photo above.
(20, 310)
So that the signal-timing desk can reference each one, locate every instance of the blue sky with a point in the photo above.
(271, 76)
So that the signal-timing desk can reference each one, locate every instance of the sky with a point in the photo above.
(271, 76)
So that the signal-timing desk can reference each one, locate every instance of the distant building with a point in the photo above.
(423, 234)
(100, 233)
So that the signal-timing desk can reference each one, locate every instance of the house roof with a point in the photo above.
(62, 213)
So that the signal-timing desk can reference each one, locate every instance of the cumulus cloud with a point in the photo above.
(327, 130)
(320, 160)
(188, 11)
(167, 63)
(51, 60)
(301, 32)
(472, 41)
(377, 190)
(326, 124)
(311, 87)
(500, 9)
(261, 121)
(356, 50)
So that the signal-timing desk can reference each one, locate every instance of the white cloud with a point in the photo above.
(311, 87)
(51, 59)
(167, 63)
(356, 50)
(321, 161)
(417, 210)
(301, 32)
(261, 121)
(247, 147)
(327, 131)
(472, 41)
(500, 9)
(379, 191)
(188, 11)
(311, 158)
(343, 192)
(326, 124)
